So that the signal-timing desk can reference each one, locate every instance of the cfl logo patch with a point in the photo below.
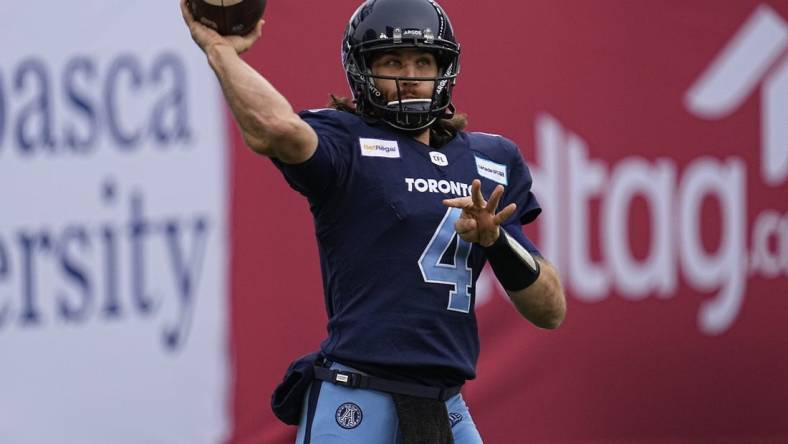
(349, 415)
(439, 158)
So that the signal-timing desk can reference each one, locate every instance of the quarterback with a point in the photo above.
(408, 208)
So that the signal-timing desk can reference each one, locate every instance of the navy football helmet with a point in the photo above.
(392, 24)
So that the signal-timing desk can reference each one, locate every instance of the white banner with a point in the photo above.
(113, 228)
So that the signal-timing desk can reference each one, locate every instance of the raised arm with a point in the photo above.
(265, 118)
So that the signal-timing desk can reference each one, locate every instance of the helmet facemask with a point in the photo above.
(411, 114)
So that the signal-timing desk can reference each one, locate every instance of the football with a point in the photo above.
(228, 17)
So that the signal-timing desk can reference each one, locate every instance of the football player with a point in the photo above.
(408, 208)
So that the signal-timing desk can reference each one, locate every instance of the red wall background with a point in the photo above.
(624, 368)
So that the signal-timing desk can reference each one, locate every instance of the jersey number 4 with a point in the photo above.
(458, 274)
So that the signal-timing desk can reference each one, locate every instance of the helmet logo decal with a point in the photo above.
(442, 83)
(373, 89)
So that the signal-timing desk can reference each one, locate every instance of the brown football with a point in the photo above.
(228, 17)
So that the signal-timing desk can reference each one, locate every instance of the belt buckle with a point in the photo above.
(343, 378)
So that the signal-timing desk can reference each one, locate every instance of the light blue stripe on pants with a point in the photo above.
(342, 415)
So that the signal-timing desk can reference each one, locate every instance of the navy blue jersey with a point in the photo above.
(399, 284)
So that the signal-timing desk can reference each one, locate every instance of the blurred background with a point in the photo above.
(156, 277)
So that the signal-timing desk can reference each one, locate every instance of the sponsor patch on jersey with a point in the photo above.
(349, 415)
(379, 148)
(439, 158)
(491, 170)
(455, 418)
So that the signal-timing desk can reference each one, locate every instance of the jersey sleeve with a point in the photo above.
(519, 192)
(519, 189)
(327, 169)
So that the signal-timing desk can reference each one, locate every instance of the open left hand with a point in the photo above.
(479, 222)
